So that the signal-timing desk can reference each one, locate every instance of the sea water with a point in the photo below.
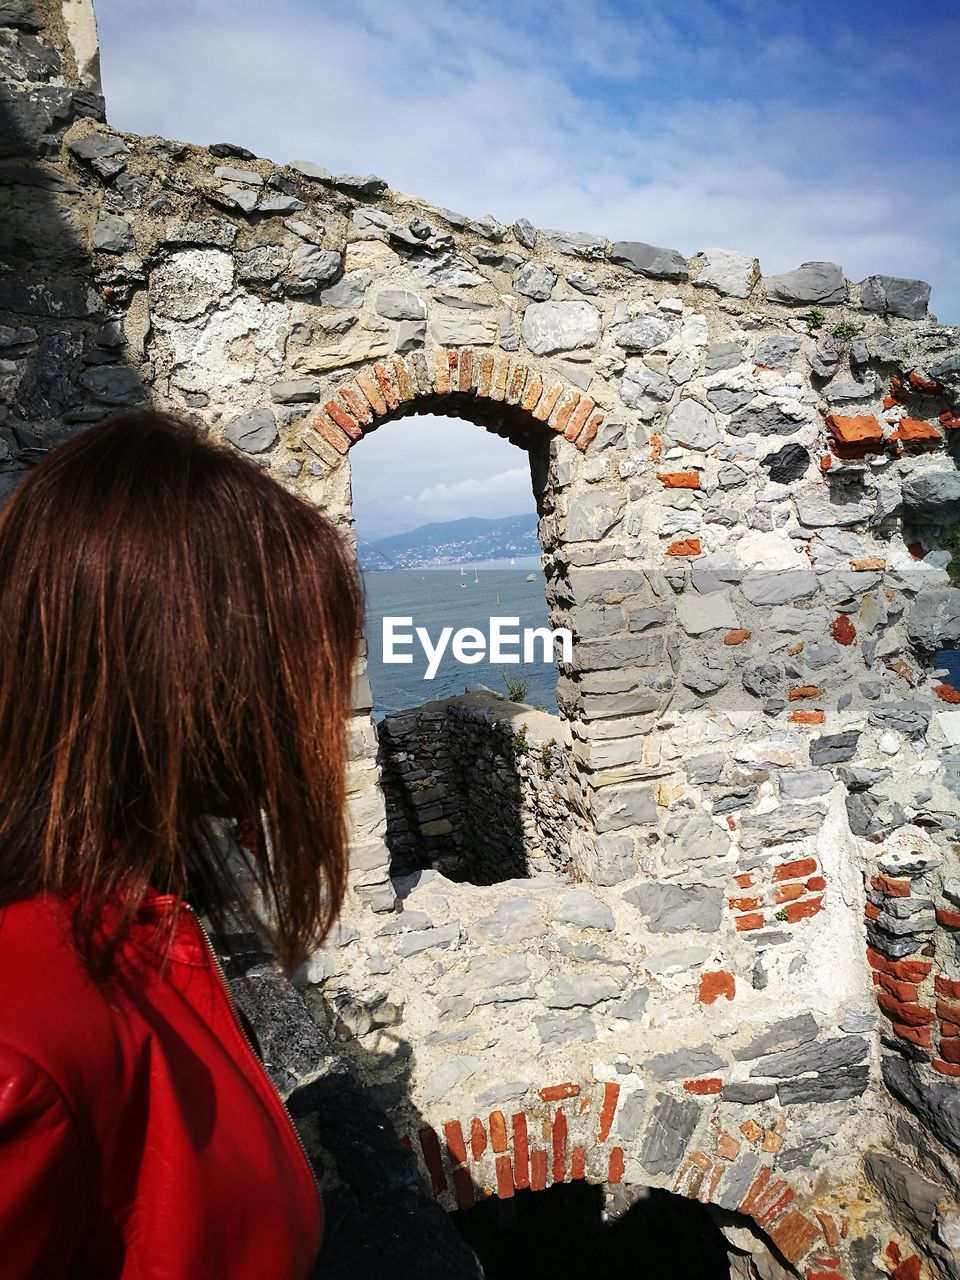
(447, 597)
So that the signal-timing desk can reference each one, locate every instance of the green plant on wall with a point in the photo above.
(816, 319)
(520, 744)
(845, 330)
(516, 687)
(952, 544)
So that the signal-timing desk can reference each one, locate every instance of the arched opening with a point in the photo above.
(461, 658)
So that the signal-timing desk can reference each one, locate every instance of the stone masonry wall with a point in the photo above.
(476, 787)
(744, 484)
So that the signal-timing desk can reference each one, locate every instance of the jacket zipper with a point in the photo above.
(231, 1004)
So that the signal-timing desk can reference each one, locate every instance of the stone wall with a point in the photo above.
(476, 788)
(744, 483)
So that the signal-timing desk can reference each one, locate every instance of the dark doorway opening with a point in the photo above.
(561, 1232)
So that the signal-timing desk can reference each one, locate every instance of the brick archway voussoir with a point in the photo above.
(378, 391)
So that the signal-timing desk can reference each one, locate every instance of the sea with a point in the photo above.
(458, 596)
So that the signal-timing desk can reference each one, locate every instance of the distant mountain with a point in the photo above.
(453, 542)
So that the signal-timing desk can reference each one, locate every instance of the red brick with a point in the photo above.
(795, 1236)
(950, 1029)
(728, 1148)
(919, 1036)
(737, 636)
(559, 1144)
(464, 1187)
(949, 420)
(465, 370)
(945, 1068)
(889, 887)
(656, 448)
(385, 383)
(684, 547)
(871, 911)
(484, 376)
(430, 1145)
(804, 691)
(947, 693)
(679, 479)
(908, 970)
(331, 433)
(744, 880)
(926, 385)
(913, 431)
(531, 392)
(611, 1092)
(806, 717)
(717, 983)
(372, 391)
(547, 402)
(745, 904)
(789, 891)
(861, 429)
(498, 1131)
(615, 1167)
(831, 1232)
(578, 1164)
(947, 986)
(774, 1202)
(590, 430)
(504, 1178)
(579, 419)
(521, 1157)
(751, 1199)
(358, 405)
(911, 1015)
(517, 378)
(565, 411)
(949, 1010)
(711, 1085)
(478, 1138)
(748, 922)
(909, 1268)
(950, 1049)
(453, 1136)
(795, 870)
(405, 382)
(538, 1169)
(843, 630)
(556, 1092)
(907, 991)
(949, 919)
(822, 1275)
(803, 909)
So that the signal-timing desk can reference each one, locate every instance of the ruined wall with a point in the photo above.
(476, 788)
(743, 483)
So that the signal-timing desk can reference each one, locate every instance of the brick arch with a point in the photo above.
(502, 392)
(570, 1132)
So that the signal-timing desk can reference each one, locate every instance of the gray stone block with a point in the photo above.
(614, 808)
(400, 304)
(933, 619)
(254, 431)
(642, 333)
(692, 425)
(673, 908)
(560, 1032)
(115, 384)
(548, 327)
(832, 1086)
(777, 352)
(791, 1033)
(572, 990)
(805, 784)
(747, 1092)
(895, 296)
(811, 282)
(764, 418)
(113, 234)
(581, 908)
(649, 260)
(908, 717)
(911, 1196)
(684, 1064)
(834, 748)
(723, 355)
(535, 281)
(670, 1129)
(819, 1056)
(579, 244)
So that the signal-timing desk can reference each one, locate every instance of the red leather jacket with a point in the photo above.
(140, 1138)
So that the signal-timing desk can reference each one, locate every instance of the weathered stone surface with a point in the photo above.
(831, 1086)
(763, 418)
(748, 1092)
(723, 355)
(730, 273)
(535, 281)
(348, 292)
(548, 327)
(698, 614)
(692, 425)
(805, 784)
(913, 1197)
(819, 1056)
(787, 464)
(580, 244)
(777, 352)
(565, 1031)
(810, 282)
(773, 587)
(681, 1064)
(670, 1129)
(443, 1080)
(649, 260)
(910, 717)
(572, 990)
(933, 493)
(642, 333)
(895, 296)
(673, 908)
(583, 909)
(261, 265)
(617, 807)
(641, 388)
(514, 920)
(115, 384)
(254, 431)
(475, 331)
(400, 304)
(933, 619)
(525, 232)
(779, 826)
(791, 1033)
(295, 390)
(442, 937)
(113, 234)
(190, 282)
(367, 184)
(310, 267)
(593, 516)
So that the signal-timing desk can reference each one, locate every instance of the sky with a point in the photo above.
(792, 131)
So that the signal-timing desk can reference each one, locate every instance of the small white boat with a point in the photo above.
(531, 577)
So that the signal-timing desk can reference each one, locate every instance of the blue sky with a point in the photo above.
(792, 131)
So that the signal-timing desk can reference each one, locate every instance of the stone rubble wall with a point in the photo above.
(744, 484)
(476, 788)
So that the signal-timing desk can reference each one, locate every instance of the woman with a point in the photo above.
(177, 638)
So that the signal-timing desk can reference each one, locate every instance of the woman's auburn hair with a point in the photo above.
(177, 640)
